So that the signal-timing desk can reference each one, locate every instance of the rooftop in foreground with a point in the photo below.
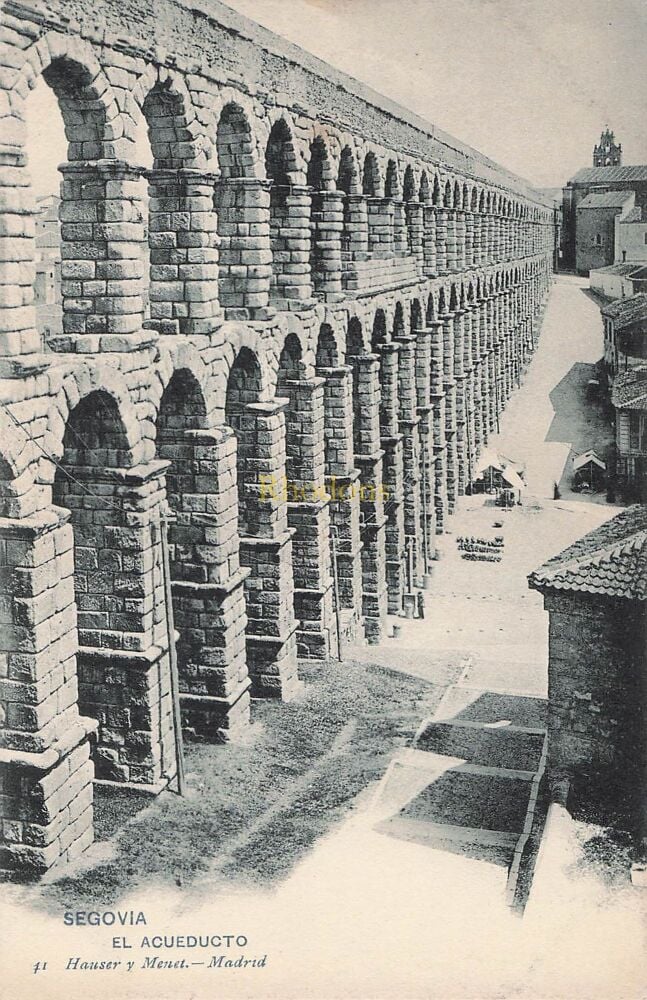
(626, 311)
(610, 561)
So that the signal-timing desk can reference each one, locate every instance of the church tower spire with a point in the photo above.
(607, 153)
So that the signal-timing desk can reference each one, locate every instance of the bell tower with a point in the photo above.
(607, 153)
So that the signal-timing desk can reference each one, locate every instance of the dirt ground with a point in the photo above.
(281, 837)
(253, 810)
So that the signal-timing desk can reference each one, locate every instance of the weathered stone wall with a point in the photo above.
(225, 342)
(591, 224)
(597, 661)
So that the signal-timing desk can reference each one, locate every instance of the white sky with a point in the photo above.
(531, 83)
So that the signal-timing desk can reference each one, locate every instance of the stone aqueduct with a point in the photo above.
(337, 294)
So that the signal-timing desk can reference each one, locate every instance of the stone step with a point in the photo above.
(473, 796)
(501, 746)
(493, 846)
(464, 704)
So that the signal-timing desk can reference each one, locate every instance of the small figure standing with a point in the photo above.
(421, 604)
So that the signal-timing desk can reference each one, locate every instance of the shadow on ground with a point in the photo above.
(580, 420)
(253, 810)
(470, 784)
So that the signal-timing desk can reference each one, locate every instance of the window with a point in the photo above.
(645, 237)
(598, 239)
(637, 431)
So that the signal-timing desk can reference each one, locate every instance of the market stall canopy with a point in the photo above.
(509, 469)
(513, 479)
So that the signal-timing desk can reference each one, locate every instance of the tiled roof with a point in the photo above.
(610, 561)
(634, 214)
(610, 175)
(605, 199)
(625, 311)
(630, 389)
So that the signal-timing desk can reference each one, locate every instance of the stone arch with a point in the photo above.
(437, 197)
(235, 146)
(241, 337)
(179, 355)
(392, 180)
(174, 132)
(112, 513)
(409, 184)
(182, 404)
(371, 180)
(348, 175)
(291, 371)
(77, 385)
(379, 334)
(292, 363)
(424, 193)
(282, 170)
(447, 194)
(457, 200)
(281, 157)
(430, 310)
(319, 178)
(355, 343)
(327, 354)
(320, 173)
(398, 320)
(94, 125)
(244, 386)
(240, 199)
(415, 316)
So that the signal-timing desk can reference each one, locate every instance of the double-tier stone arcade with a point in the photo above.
(310, 287)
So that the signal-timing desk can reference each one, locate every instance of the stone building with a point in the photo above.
(619, 281)
(595, 228)
(629, 399)
(625, 370)
(606, 175)
(625, 334)
(631, 235)
(595, 593)
(312, 301)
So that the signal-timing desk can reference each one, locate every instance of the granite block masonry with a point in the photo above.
(305, 284)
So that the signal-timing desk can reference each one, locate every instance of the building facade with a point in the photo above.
(625, 368)
(619, 281)
(631, 235)
(595, 593)
(629, 399)
(596, 221)
(282, 350)
(607, 176)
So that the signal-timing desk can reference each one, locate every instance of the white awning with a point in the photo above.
(588, 457)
